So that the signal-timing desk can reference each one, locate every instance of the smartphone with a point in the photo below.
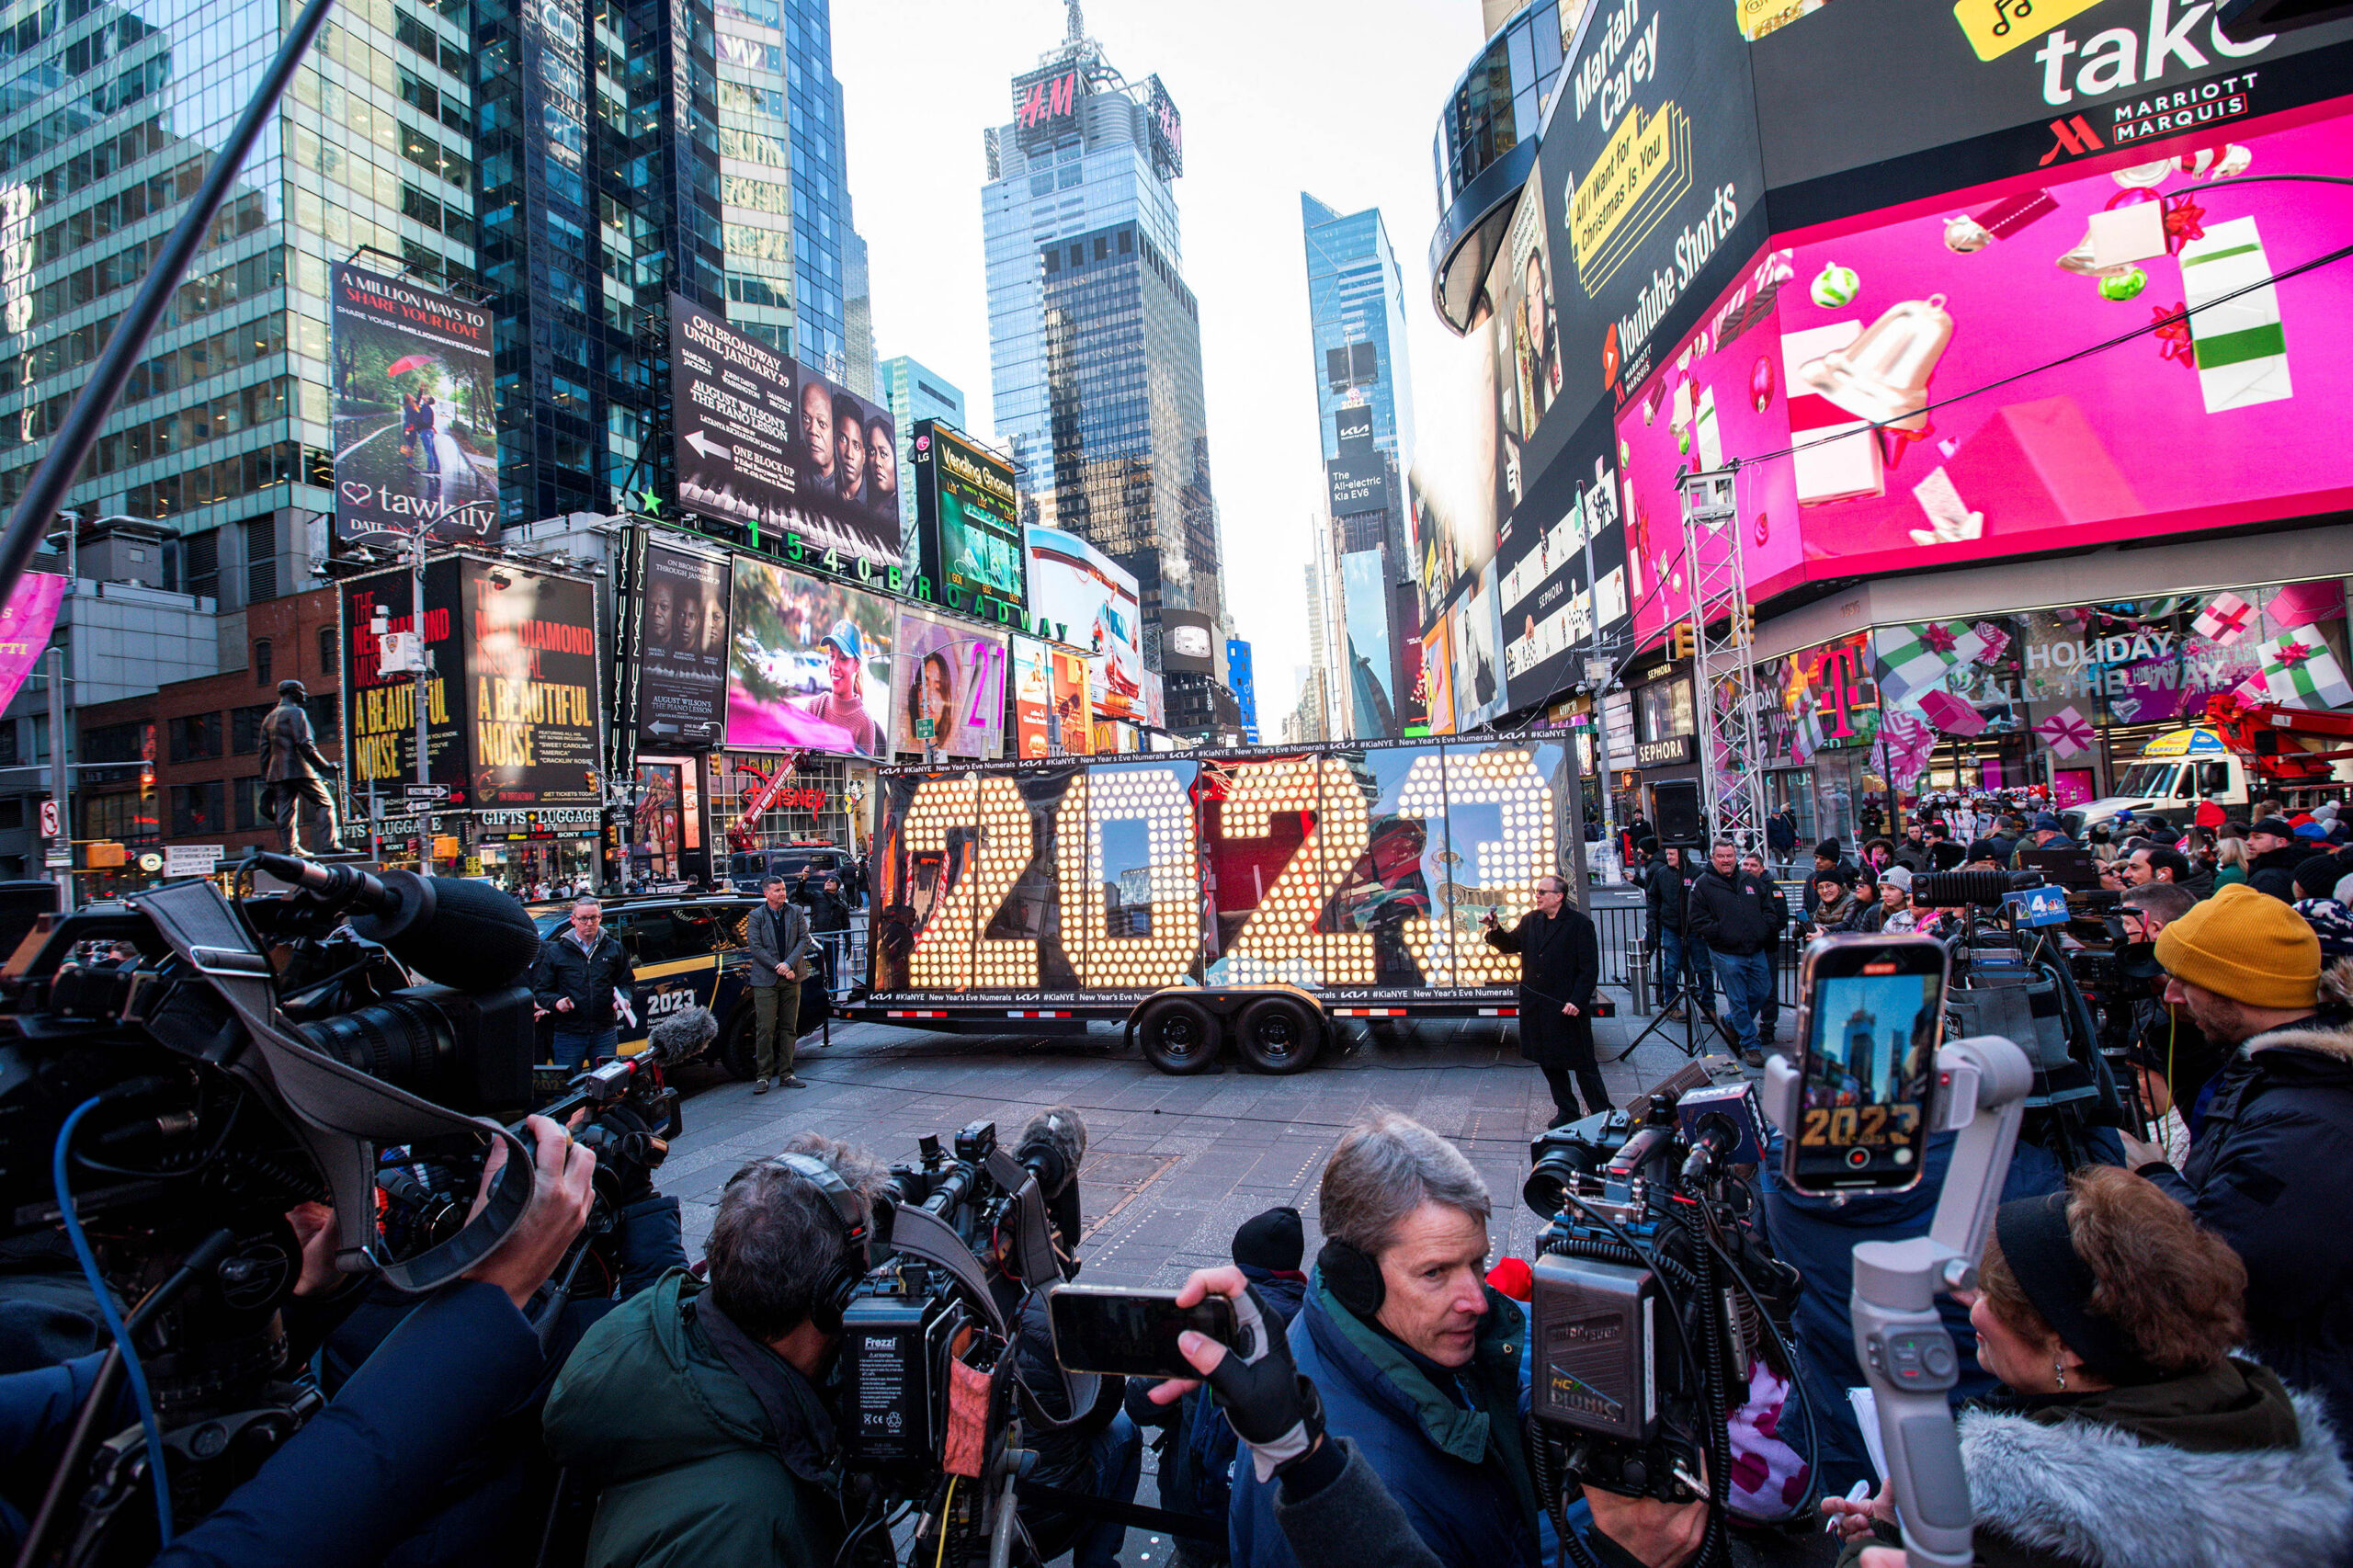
(1132, 1332)
(1868, 1025)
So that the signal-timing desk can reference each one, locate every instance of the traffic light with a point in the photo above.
(1679, 640)
(1745, 616)
(103, 854)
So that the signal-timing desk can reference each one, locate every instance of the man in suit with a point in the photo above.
(1560, 965)
(779, 937)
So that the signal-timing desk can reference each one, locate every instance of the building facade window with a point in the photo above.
(198, 808)
(194, 736)
(264, 661)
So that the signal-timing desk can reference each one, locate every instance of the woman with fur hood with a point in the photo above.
(2126, 1433)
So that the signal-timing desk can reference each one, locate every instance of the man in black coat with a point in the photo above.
(579, 972)
(2275, 853)
(1683, 963)
(1738, 915)
(1560, 964)
(2271, 1168)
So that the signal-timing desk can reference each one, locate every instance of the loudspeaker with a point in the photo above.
(1676, 803)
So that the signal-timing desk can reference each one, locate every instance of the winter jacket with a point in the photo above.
(774, 936)
(1913, 857)
(1447, 1448)
(1197, 1472)
(1337, 1513)
(2219, 1466)
(363, 1473)
(2227, 876)
(827, 911)
(694, 1468)
(1560, 961)
(1834, 916)
(1816, 1235)
(1667, 892)
(588, 979)
(1734, 914)
(2271, 1173)
(2274, 871)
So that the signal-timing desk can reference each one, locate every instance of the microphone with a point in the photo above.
(466, 935)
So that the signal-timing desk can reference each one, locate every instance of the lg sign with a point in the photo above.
(1050, 100)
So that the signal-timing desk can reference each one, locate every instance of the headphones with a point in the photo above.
(1353, 1277)
(850, 1268)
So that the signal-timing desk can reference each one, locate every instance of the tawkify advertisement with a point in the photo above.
(531, 673)
(968, 521)
(1477, 640)
(1868, 104)
(416, 429)
(763, 440)
(809, 664)
(950, 698)
(1073, 583)
(682, 659)
(1653, 184)
(380, 707)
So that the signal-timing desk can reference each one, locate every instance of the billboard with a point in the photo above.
(380, 707)
(1364, 598)
(1933, 390)
(682, 651)
(1363, 872)
(764, 442)
(1188, 642)
(1547, 610)
(1239, 674)
(415, 427)
(968, 521)
(1032, 698)
(535, 720)
(1956, 95)
(1095, 598)
(951, 687)
(1070, 727)
(1167, 130)
(808, 664)
(1476, 639)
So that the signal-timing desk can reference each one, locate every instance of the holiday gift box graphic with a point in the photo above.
(2297, 670)
(2227, 618)
(2303, 604)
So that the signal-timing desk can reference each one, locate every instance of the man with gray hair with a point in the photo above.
(692, 1408)
(1415, 1357)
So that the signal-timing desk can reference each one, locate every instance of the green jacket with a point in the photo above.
(691, 1470)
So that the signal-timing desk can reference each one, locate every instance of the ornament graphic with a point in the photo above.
(1760, 383)
(1965, 235)
(1835, 286)
(1884, 375)
(2126, 285)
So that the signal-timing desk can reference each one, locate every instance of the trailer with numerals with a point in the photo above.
(1246, 897)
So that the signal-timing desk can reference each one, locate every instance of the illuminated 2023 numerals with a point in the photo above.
(949, 953)
(1279, 941)
(1503, 871)
(1163, 955)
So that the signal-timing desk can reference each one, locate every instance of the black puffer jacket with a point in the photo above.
(1666, 890)
(2271, 1173)
(587, 979)
(1739, 914)
(2274, 870)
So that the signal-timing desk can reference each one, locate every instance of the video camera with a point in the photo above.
(1654, 1292)
(932, 1405)
(168, 1112)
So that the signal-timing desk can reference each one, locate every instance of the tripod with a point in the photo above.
(1690, 1043)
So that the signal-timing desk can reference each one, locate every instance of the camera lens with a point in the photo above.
(1550, 1176)
(406, 1041)
(470, 1052)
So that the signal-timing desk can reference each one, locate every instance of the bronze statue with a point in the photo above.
(294, 777)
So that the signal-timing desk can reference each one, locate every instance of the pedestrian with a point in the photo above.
(780, 941)
(1560, 965)
(2274, 852)
(1768, 1016)
(583, 977)
(1782, 834)
(1666, 890)
(1913, 852)
(1732, 912)
(1829, 857)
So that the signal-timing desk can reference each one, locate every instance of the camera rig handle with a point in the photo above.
(1905, 1349)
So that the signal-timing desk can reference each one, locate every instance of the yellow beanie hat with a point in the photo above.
(2247, 946)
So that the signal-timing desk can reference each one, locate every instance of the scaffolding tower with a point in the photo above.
(1726, 703)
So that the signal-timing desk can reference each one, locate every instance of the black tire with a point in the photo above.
(736, 1042)
(1180, 1038)
(1279, 1035)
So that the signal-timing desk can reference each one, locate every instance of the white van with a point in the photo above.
(2178, 769)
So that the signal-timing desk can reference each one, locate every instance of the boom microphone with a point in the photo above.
(466, 935)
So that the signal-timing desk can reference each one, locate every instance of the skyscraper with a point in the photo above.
(1094, 338)
(1356, 298)
(112, 117)
(912, 391)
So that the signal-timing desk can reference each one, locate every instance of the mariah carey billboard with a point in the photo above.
(2153, 348)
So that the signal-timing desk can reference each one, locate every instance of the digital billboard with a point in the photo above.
(1240, 676)
(951, 687)
(536, 723)
(1095, 598)
(380, 707)
(1033, 697)
(415, 427)
(682, 648)
(809, 663)
(1477, 638)
(1939, 388)
(1364, 590)
(1364, 872)
(1188, 642)
(1070, 726)
(762, 441)
(1547, 609)
(969, 520)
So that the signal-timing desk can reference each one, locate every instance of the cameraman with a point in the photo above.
(692, 1409)
(366, 1470)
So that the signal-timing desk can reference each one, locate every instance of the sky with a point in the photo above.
(1337, 98)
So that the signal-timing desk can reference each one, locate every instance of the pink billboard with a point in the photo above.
(1952, 391)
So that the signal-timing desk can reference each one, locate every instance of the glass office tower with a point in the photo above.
(912, 390)
(1093, 336)
(112, 120)
(1356, 316)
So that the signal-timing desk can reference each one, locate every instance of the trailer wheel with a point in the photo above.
(736, 1042)
(1179, 1036)
(1278, 1035)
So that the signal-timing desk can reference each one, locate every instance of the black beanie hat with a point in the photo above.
(2318, 875)
(1828, 850)
(1272, 1239)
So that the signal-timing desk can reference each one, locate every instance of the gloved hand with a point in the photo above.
(1275, 1410)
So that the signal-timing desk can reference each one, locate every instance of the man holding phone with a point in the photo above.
(1560, 965)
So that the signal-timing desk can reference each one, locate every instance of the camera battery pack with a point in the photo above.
(1595, 1326)
(897, 1349)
